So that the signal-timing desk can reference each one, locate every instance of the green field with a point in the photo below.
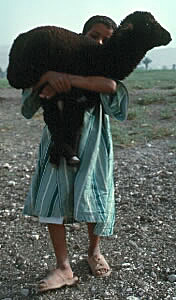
(4, 83)
(152, 108)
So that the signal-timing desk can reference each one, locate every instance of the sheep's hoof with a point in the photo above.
(74, 161)
(55, 162)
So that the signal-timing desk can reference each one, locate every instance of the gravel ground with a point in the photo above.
(142, 250)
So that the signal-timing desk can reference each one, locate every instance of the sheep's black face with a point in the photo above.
(147, 29)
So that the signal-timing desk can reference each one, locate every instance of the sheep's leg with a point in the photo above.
(71, 157)
(54, 120)
(66, 149)
(73, 121)
(70, 150)
(60, 126)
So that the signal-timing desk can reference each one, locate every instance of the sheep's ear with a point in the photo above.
(130, 26)
(127, 26)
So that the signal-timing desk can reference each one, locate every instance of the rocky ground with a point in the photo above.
(142, 251)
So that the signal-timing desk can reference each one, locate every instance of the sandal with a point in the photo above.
(99, 266)
(56, 281)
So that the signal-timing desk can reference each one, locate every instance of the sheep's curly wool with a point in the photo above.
(53, 48)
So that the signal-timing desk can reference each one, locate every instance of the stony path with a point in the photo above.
(143, 248)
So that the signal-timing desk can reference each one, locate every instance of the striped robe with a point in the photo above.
(84, 194)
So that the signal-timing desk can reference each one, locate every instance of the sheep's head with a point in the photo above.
(147, 29)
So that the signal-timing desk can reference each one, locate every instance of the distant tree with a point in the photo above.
(139, 66)
(146, 61)
(174, 67)
(1, 73)
(164, 68)
(5, 73)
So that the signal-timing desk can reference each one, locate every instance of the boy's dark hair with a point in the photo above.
(98, 19)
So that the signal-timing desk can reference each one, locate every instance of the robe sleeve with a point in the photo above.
(116, 105)
(31, 102)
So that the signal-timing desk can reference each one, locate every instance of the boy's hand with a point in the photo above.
(47, 92)
(59, 81)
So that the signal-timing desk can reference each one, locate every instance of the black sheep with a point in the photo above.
(53, 48)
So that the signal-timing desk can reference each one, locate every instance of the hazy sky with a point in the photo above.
(21, 15)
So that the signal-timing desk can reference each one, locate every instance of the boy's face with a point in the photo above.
(100, 33)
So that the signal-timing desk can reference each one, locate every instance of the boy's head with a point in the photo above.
(99, 28)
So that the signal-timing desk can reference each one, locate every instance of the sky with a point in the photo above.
(18, 16)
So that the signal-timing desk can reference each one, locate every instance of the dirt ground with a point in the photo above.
(142, 251)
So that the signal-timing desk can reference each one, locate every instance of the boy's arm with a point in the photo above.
(116, 105)
(31, 102)
(62, 83)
